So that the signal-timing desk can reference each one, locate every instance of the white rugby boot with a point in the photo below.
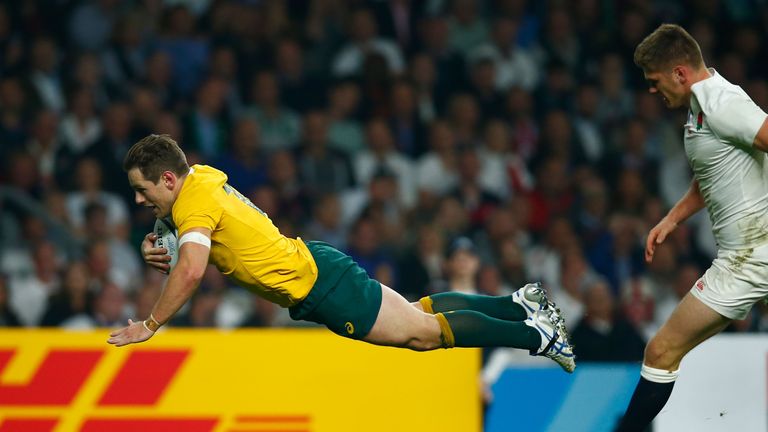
(532, 298)
(555, 343)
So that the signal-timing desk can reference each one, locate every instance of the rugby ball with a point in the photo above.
(167, 238)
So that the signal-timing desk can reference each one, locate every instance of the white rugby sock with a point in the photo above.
(660, 376)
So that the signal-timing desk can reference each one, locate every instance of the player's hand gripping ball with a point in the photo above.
(167, 238)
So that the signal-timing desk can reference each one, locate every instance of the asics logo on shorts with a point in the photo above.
(349, 327)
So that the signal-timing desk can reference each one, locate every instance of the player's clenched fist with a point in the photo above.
(154, 256)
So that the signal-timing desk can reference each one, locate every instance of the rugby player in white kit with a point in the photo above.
(726, 137)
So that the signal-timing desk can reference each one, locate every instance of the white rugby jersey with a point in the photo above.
(732, 174)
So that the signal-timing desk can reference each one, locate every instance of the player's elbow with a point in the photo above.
(190, 275)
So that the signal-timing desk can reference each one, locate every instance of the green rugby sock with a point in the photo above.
(467, 328)
(497, 307)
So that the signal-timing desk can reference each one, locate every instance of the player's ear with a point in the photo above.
(680, 74)
(169, 179)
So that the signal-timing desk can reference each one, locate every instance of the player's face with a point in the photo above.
(157, 196)
(668, 85)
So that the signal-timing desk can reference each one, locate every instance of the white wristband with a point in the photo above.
(195, 237)
(144, 323)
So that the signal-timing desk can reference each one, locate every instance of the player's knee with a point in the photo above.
(660, 354)
(421, 344)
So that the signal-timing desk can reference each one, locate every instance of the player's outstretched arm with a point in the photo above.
(689, 204)
(181, 284)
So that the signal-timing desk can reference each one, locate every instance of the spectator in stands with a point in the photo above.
(280, 126)
(244, 162)
(89, 177)
(467, 28)
(327, 224)
(552, 196)
(299, 90)
(404, 121)
(29, 293)
(8, 317)
(80, 126)
(478, 202)
(616, 102)
(448, 62)
(364, 41)
(345, 132)
(451, 218)
(283, 177)
(626, 258)
(603, 335)
(482, 85)
(91, 24)
(559, 43)
(54, 159)
(382, 153)
(158, 75)
(206, 125)
(201, 312)
(515, 65)
(380, 205)
(44, 82)
(632, 154)
(180, 39)
(464, 116)
(14, 114)
(263, 313)
(575, 276)
(22, 174)
(124, 257)
(519, 114)
(365, 247)
(123, 59)
(224, 65)
(111, 147)
(74, 299)
(88, 74)
(510, 263)
(399, 21)
(436, 170)
(586, 125)
(104, 270)
(461, 267)
(109, 308)
(423, 77)
(322, 169)
(421, 266)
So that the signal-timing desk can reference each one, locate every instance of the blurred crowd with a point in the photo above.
(461, 145)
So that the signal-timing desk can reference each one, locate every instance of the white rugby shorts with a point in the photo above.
(736, 280)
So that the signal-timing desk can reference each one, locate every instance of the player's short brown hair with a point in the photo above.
(668, 45)
(155, 154)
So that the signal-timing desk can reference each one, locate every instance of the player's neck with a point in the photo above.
(700, 75)
(696, 76)
(179, 185)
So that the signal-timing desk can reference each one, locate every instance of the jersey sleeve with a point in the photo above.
(197, 209)
(737, 121)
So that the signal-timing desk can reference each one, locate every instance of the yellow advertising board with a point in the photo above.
(276, 380)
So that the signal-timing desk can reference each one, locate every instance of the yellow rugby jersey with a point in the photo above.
(245, 244)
